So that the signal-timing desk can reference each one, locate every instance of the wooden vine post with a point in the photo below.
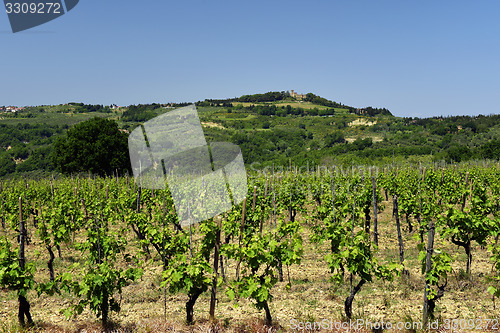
(265, 198)
(164, 259)
(366, 207)
(355, 290)
(428, 264)
(333, 195)
(400, 237)
(375, 219)
(421, 179)
(254, 198)
(213, 296)
(24, 305)
(137, 230)
(2, 213)
(242, 228)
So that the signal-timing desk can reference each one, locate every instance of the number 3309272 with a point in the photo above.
(33, 8)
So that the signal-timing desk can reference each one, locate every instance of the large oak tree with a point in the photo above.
(96, 145)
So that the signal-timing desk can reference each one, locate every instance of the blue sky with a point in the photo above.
(416, 58)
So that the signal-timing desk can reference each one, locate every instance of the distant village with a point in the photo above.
(7, 109)
(11, 108)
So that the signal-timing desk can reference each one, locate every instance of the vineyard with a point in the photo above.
(393, 244)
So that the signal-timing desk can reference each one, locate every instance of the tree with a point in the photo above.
(491, 150)
(20, 152)
(39, 159)
(333, 138)
(458, 154)
(361, 144)
(95, 145)
(7, 165)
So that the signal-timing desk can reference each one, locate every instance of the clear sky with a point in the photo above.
(416, 58)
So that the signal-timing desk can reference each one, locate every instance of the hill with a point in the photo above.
(308, 102)
(273, 127)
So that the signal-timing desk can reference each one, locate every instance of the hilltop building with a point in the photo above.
(297, 95)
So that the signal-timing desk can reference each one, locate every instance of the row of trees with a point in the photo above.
(81, 108)
(140, 113)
